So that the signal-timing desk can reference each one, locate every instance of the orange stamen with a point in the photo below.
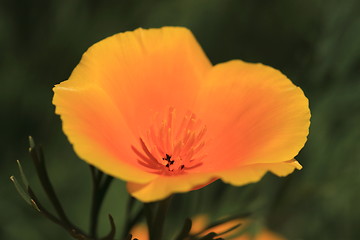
(166, 153)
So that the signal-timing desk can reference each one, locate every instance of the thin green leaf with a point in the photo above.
(37, 156)
(34, 205)
(22, 174)
(112, 232)
(42, 210)
(21, 191)
(31, 142)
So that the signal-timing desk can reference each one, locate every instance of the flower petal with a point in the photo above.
(263, 235)
(253, 173)
(164, 186)
(147, 71)
(140, 231)
(253, 113)
(118, 85)
(97, 131)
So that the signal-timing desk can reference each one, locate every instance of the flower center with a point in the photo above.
(170, 147)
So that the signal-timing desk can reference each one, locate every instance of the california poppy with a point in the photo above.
(225, 230)
(148, 107)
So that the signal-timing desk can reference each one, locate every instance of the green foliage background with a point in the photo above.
(316, 43)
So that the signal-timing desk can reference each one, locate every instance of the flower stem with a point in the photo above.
(156, 222)
(99, 192)
(148, 209)
(37, 155)
(130, 219)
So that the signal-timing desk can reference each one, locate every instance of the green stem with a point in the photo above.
(39, 162)
(156, 223)
(130, 220)
(148, 209)
(73, 230)
(99, 192)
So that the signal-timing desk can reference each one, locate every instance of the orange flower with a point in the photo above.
(140, 231)
(148, 107)
(200, 222)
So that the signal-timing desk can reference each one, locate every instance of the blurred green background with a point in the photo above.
(316, 43)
